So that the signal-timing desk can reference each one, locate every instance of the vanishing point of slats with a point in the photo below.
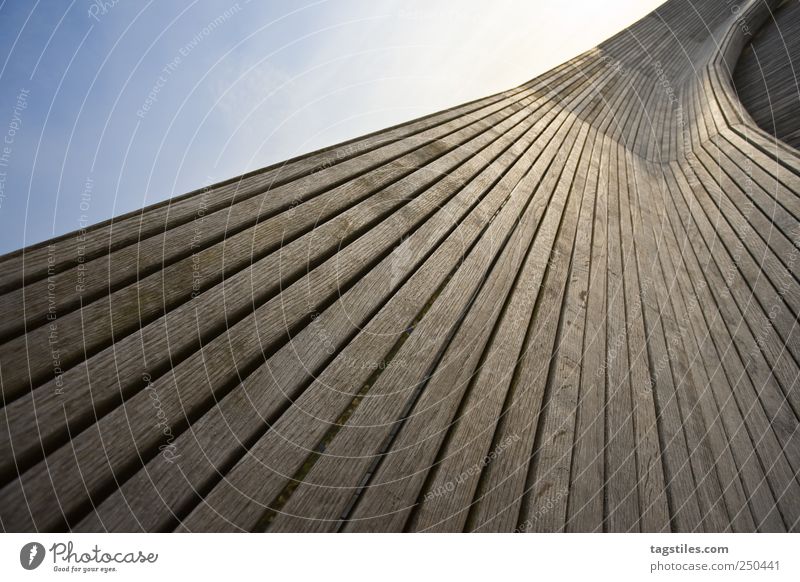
(571, 306)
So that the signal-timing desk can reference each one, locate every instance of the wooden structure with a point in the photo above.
(767, 76)
(571, 306)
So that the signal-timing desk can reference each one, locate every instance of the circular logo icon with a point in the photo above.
(31, 555)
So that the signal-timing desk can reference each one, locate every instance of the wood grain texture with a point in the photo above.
(571, 306)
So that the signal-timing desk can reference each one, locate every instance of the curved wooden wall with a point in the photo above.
(767, 76)
(571, 306)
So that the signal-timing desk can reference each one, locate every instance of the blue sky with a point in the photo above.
(109, 106)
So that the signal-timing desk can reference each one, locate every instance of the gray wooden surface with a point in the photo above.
(767, 76)
(571, 306)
